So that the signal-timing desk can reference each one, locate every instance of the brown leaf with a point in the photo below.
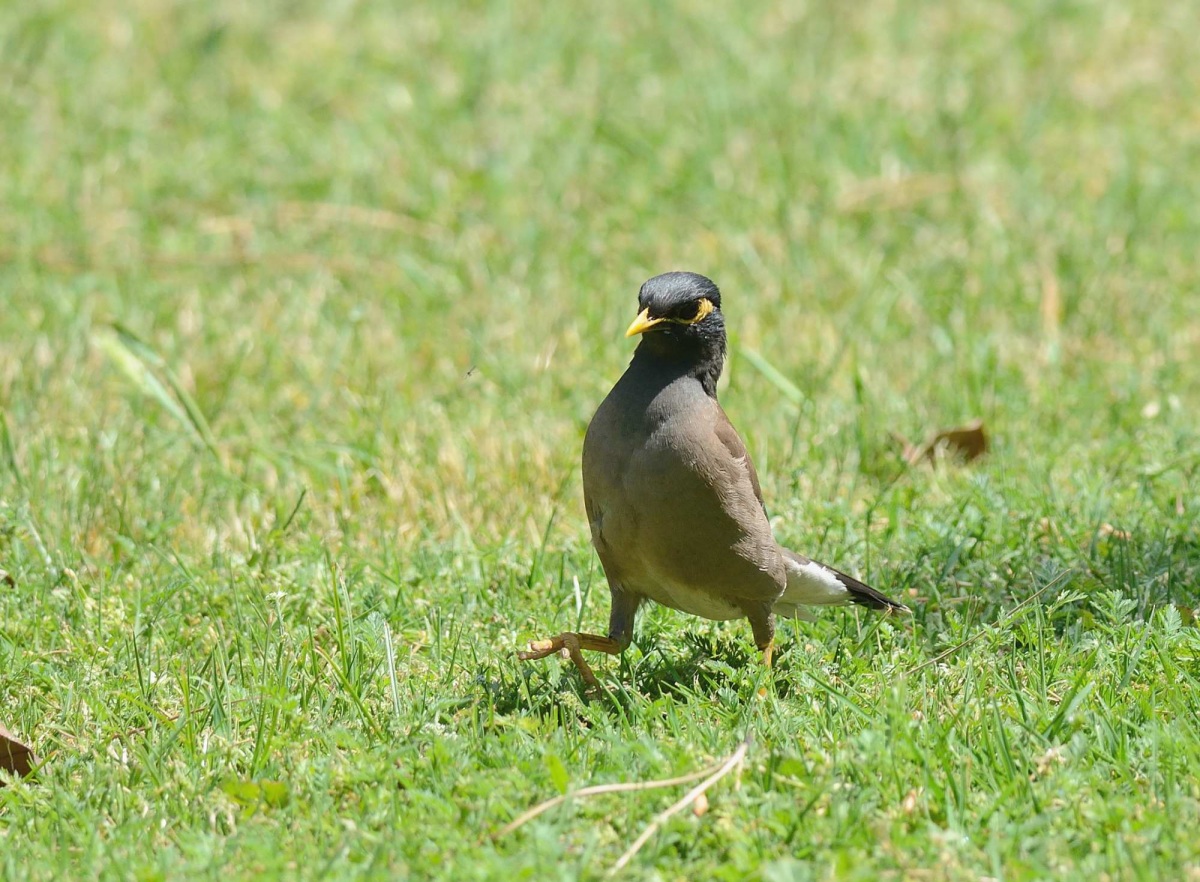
(967, 442)
(15, 756)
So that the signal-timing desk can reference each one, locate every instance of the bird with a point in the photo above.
(672, 498)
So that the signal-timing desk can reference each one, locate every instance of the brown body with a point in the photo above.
(672, 498)
(674, 505)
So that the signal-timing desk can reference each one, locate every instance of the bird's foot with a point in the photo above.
(571, 645)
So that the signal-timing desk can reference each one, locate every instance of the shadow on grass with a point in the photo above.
(695, 666)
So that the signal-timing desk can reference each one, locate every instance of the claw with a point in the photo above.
(541, 649)
(571, 645)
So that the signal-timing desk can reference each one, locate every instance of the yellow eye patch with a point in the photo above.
(644, 323)
(703, 308)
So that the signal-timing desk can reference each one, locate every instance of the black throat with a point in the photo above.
(673, 354)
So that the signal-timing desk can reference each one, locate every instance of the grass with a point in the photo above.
(305, 308)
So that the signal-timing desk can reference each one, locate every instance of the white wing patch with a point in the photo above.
(809, 584)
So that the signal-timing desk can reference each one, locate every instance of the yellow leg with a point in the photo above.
(768, 656)
(768, 652)
(571, 644)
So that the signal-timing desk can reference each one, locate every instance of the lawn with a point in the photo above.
(304, 308)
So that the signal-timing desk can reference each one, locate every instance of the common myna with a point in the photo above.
(674, 504)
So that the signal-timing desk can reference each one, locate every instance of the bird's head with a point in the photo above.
(680, 315)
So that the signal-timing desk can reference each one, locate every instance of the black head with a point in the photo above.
(680, 306)
(671, 291)
(681, 321)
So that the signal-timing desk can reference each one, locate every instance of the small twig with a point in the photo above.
(1016, 609)
(688, 798)
(596, 790)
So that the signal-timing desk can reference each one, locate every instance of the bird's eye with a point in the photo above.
(689, 313)
(703, 308)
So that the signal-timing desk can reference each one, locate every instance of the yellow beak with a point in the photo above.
(642, 323)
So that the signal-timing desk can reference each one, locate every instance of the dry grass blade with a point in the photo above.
(687, 799)
(597, 790)
(357, 215)
(143, 365)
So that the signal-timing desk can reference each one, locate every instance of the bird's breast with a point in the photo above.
(688, 598)
(671, 511)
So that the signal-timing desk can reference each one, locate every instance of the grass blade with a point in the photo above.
(143, 366)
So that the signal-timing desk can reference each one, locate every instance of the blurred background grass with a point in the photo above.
(402, 244)
(389, 253)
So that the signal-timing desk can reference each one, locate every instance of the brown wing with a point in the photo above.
(729, 436)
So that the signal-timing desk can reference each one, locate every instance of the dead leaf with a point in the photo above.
(15, 756)
(700, 806)
(968, 442)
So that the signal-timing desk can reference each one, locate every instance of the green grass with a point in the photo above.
(304, 308)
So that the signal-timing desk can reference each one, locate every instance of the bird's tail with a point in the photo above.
(815, 584)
